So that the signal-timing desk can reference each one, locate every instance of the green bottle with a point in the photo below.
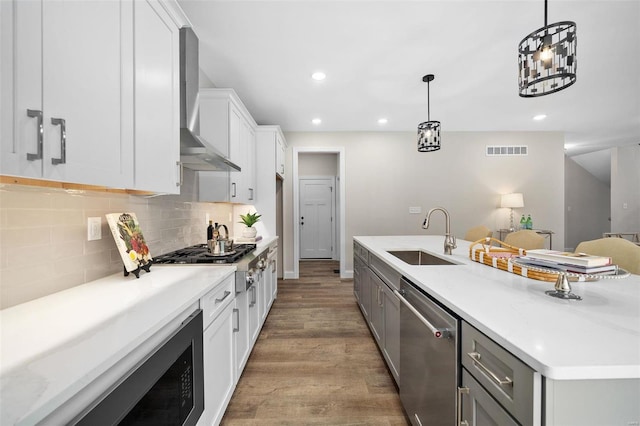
(529, 222)
(523, 223)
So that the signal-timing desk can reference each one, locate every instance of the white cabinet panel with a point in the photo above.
(75, 61)
(219, 374)
(280, 155)
(241, 337)
(157, 92)
(228, 126)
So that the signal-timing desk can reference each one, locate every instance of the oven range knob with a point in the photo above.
(262, 264)
(250, 278)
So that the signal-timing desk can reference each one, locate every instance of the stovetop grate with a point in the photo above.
(199, 253)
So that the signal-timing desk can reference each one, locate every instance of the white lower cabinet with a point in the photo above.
(241, 337)
(254, 312)
(232, 323)
(219, 372)
(218, 350)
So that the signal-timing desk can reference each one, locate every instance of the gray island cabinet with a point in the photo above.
(524, 357)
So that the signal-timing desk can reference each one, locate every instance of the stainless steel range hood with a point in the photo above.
(195, 152)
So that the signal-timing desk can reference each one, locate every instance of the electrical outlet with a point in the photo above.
(94, 228)
(415, 210)
(624, 205)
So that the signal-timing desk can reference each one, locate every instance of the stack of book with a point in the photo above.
(579, 263)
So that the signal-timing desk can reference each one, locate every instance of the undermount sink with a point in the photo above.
(419, 257)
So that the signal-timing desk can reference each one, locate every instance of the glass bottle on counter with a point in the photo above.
(523, 223)
(529, 222)
(210, 231)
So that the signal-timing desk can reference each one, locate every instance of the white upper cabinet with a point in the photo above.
(270, 144)
(227, 125)
(280, 154)
(157, 94)
(69, 91)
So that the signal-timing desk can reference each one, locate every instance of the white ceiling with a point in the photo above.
(375, 54)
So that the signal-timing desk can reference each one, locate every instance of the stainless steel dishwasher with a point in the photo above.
(428, 358)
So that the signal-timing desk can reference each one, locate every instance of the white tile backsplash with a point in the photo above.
(43, 235)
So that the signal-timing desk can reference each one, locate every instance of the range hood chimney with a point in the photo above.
(195, 152)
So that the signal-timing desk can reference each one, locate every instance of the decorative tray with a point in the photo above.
(500, 255)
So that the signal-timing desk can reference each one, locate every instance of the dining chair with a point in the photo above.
(478, 232)
(526, 239)
(622, 252)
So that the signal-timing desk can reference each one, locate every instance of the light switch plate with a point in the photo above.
(94, 228)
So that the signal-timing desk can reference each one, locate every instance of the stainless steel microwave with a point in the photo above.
(166, 389)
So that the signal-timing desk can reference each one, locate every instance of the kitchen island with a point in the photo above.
(589, 347)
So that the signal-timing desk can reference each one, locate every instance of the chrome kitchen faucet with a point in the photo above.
(449, 240)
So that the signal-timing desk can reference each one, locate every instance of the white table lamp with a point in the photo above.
(512, 201)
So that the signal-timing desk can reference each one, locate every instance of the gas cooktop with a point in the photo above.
(200, 254)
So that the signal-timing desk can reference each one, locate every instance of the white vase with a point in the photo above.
(249, 232)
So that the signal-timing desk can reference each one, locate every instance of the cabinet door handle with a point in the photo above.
(237, 312)
(226, 294)
(233, 189)
(251, 193)
(34, 113)
(180, 168)
(253, 297)
(475, 356)
(63, 140)
(461, 391)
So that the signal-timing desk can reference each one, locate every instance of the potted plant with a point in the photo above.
(249, 220)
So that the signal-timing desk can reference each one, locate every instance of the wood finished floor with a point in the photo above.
(315, 362)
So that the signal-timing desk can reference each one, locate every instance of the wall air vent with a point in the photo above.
(506, 150)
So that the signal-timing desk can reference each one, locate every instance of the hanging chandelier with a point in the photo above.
(547, 59)
(428, 131)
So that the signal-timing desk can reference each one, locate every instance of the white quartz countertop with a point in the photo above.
(52, 347)
(595, 338)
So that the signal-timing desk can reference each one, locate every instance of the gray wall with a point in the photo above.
(587, 205)
(318, 165)
(625, 189)
(385, 175)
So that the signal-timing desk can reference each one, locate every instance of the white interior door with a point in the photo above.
(316, 218)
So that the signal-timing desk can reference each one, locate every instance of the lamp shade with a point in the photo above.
(514, 200)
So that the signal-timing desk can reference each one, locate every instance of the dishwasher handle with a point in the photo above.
(438, 333)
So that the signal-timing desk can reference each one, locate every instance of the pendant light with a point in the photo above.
(428, 131)
(547, 59)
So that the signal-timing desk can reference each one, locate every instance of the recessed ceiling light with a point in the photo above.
(540, 117)
(318, 76)
(383, 121)
(316, 121)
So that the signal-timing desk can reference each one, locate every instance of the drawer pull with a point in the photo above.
(475, 356)
(461, 391)
(226, 294)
